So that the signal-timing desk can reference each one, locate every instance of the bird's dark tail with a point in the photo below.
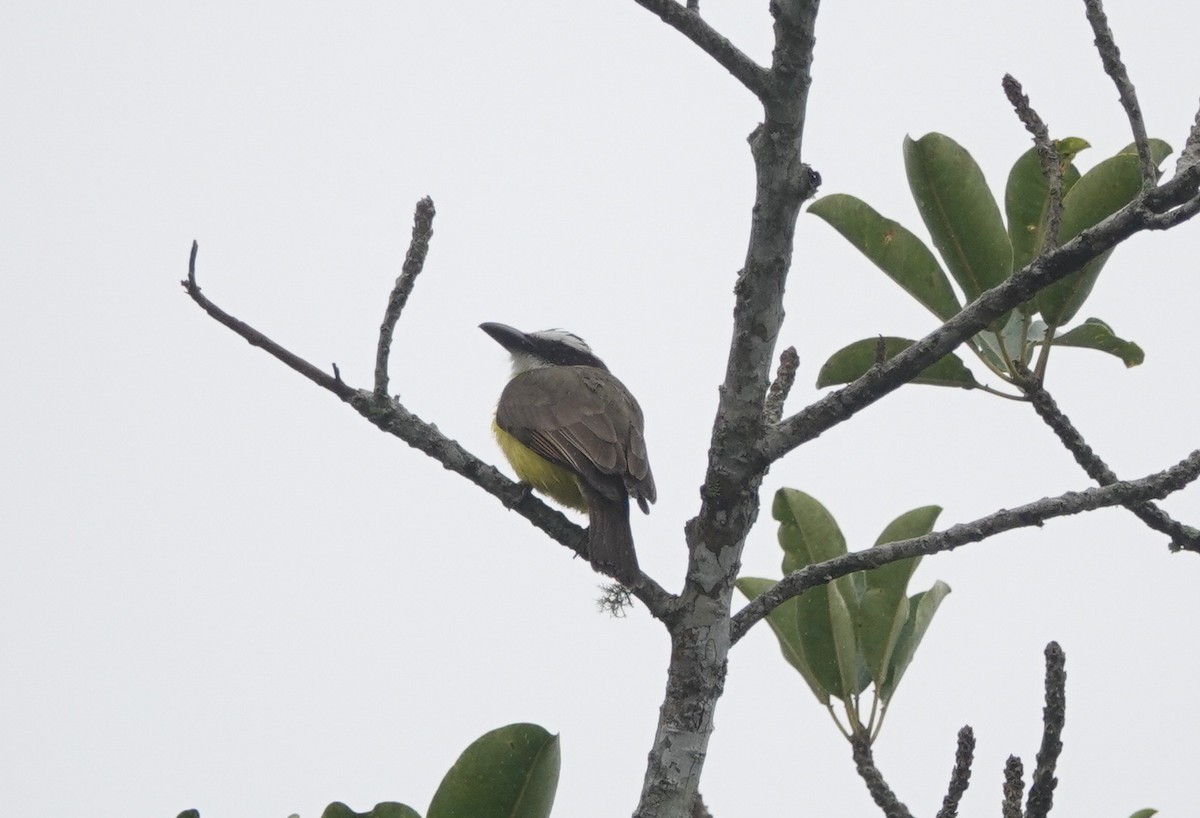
(610, 540)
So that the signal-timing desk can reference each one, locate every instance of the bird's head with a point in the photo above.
(548, 347)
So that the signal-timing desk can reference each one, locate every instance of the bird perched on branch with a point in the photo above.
(573, 432)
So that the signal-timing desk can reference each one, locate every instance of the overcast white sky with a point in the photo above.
(222, 589)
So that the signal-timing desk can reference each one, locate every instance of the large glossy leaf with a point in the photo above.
(960, 212)
(784, 624)
(921, 606)
(853, 361)
(825, 614)
(1144, 813)
(843, 610)
(892, 248)
(807, 531)
(1095, 334)
(1098, 194)
(387, 809)
(1027, 198)
(510, 772)
(885, 608)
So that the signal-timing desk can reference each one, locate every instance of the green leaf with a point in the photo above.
(885, 608)
(893, 248)
(1144, 813)
(881, 616)
(922, 607)
(1095, 334)
(1098, 194)
(784, 624)
(987, 344)
(915, 523)
(842, 614)
(386, 809)
(853, 361)
(959, 211)
(825, 614)
(1027, 198)
(510, 772)
(807, 531)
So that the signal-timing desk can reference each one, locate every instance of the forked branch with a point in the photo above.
(1183, 537)
(1155, 486)
(688, 22)
(1168, 204)
(391, 416)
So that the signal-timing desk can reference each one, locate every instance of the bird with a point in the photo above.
(574, 433)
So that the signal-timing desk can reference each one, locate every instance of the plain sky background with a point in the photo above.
(220, 588)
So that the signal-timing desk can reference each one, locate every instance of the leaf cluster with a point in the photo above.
(979, 251)
(858, 630)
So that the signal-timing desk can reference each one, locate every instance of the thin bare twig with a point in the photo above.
(688, 22)
(255, 338)
(1155, 486)
(1183, 537)
(1014, 788)
(1043, 782)
(960, 776)
(414, 262)
(1110, 57)
(1051, 161)
(785, 377)
(881, 793)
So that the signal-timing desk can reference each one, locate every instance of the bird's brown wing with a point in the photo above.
(583, 419)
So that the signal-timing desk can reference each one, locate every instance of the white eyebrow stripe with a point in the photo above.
(562, 336)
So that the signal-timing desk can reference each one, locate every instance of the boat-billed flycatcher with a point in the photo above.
(572, 431)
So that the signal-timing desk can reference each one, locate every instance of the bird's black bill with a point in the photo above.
(508, 337)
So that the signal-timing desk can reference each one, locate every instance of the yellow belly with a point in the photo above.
(553, 481)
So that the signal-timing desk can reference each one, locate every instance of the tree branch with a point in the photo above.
(1165, 221)
(785, 377)
(1183, 537)
(960, 776)
(729, 497)
(1014, 788)
(844, 403)
(1189, 157)
(1052, 166)
(414, 262)
(255, 338)
(392, 417)
(1110, 57)
(881, 793)
(1155, 486)
(1043, 782)
(688, 22)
